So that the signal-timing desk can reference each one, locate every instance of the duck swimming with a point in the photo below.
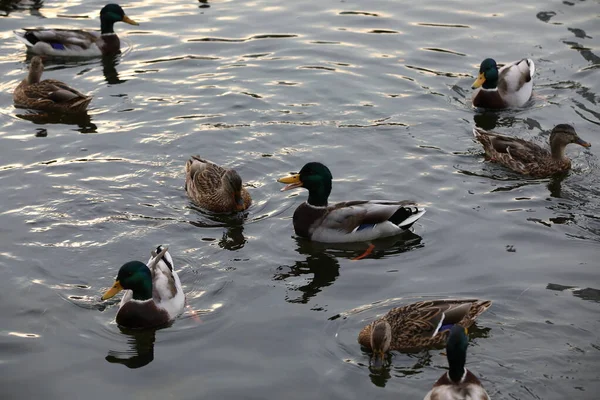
(49, 94)
(420, 325)
(509, 86)
(352, 221)
(458, 383)
(76, 42)
(153, 294)
(528, 158)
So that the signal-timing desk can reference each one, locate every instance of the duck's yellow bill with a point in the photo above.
(479, 81)
(129, 20)
(112, 291)
(293, 181)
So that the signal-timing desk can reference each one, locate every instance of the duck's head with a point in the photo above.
(135, 276)
(456, 351)
(381, 339)
(36, 69)
(112, 13)
(564, 134)
(488, 75)
(316, 178)
(232, 183)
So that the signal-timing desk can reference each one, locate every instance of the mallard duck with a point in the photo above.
(528, 158)
(511, 86)
(153, 295)
(78, 43)
(418, 326)
(215, 188)
(49, 94)
(352, 221)
(458, 383)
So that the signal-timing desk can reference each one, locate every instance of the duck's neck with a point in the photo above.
(34, 76)
(143, 291)
(558, 150)
(456, 362)
(107, 26)
(317, 196)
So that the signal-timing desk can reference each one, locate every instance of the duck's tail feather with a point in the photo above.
(26, 38)
(405, 217)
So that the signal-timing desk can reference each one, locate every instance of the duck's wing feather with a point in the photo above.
(65, 37)
(205, 175)
(352, 215)
(513, 77)
(512, 147)
(50, 89)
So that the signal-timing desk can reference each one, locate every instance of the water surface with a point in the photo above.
(377, 90)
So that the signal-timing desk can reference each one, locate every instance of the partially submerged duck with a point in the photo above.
(215, 188)
(153, 295)
(528, 158)
(352, 221)
(78, 43)
(419, 326)
(509, 86)
(49, 94)
(458, 383)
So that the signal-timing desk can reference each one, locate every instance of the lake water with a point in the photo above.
(380, 92)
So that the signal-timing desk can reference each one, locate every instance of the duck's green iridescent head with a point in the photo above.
(456, 351)
(110, 14)
(316, 178)
(488, 75)
(135, 276)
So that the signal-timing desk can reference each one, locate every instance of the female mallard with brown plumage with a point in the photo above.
(418, 326)
(78, 43)
(509, 86)
(352, 221)
(49, 94)
(528, 158)
(458, 383)
(153, 294)
(215, 188)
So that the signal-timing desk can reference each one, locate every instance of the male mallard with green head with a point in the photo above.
(528, 158)
(418, 326)
(458, 383)
(49, 94)
(509, 86)
(153, 294)
(78, 43)
(215, 188)
(352, 221)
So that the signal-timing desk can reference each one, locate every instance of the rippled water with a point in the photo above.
(378, 90)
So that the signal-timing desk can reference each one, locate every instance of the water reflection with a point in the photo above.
(8, 6)
(203, 4)
(109, 69)
(82, 120)
(321, 261)
(233, 238)
(589, 294)
(324, 268)
(141, 350)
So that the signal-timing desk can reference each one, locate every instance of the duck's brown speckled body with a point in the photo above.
(528, 158)
(49, 94)
(414, 327)
(215, 188)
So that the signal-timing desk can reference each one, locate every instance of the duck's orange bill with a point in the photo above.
(112, 291)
